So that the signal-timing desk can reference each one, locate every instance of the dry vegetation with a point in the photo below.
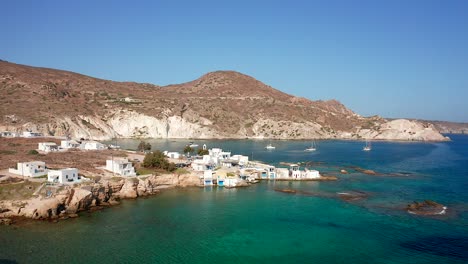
(230, 100)
(85, 161)
(17, 191)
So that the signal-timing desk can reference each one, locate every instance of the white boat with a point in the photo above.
(368, 146)
(269, 146)
(312, 147)
(193, 145)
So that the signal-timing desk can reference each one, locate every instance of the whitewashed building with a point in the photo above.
(63, 176)
(67, 144)
(199, 165)
(294, 171)
(92, 145)
(8, 134)
(120, 166)
(48, 146)
(282, 173)
(240, 159)
(172, 155)
(208, 178)
(310, 174)
(30, 169)
(29, 134)
(231, 182)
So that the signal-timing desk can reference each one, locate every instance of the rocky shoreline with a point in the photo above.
(68, 201)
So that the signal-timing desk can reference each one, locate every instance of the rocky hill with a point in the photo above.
(450, 127)
(222, 104)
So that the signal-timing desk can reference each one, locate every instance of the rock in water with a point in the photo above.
(427, 207)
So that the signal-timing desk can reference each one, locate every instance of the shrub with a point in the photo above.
(181, 171)
(158, 160)
(33, 152)
(188, 149)
(202, 152)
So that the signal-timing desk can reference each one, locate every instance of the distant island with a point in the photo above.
(218, 105)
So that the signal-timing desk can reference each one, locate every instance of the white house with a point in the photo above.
(69, 175)
(282, 173)
(208, 177)
(231, 182)
(294, 171)
(226, 163)
(310, 174)
(67, 144)
(241, 160)
(29, 169)
(172, 155)
(219, 153)
(199, 165)
(265, 171)
(28, 134)
(92, 145)
(120, 166)
(48, 146)
(215, 156)
(8, 134)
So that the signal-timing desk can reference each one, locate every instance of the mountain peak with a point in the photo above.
(228, 84)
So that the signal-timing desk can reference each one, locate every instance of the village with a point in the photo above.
(214, 168)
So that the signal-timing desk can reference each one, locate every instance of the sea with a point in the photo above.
(259, 224)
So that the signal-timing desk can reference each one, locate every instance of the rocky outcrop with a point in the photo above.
(426, 208)
(71, 200)
(403, 129)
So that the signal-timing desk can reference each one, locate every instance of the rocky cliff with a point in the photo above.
(221, 104)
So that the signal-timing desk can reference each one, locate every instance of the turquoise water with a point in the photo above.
(259, 225)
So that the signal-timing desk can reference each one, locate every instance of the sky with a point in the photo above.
(388, 58)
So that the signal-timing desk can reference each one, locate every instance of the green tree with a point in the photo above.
(202, 152)
(144, 146)
(188, 149)
(157, 160)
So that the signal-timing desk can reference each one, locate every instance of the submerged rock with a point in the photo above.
(352, 196)
(286, 190)
(5, 221)
(427, 207)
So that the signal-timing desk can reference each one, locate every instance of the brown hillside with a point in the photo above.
(230, 100)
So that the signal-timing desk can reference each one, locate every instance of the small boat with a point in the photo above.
(111, 146)
(269, 146)
(368, 146)
(193, 145)
(312, 147)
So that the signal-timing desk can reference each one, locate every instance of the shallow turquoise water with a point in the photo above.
(260, 225)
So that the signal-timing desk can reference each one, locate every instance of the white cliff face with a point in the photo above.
(125, 124)
(130, 124)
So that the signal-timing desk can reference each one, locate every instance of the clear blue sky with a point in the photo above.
(391, 58)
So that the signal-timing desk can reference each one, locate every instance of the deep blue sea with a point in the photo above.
(260, 225)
